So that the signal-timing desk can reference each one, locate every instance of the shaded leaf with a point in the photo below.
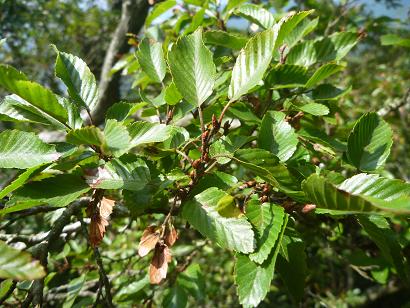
(159, 264)
(18, 265)
(224, 39)
(369, 142)
(24, 150)
(277, 136)
(230, 233)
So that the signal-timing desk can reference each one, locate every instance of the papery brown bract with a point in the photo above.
(99, 220)
(159, 264)
(170, 236)
(149, 240)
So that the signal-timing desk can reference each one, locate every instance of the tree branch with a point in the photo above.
(133, 14)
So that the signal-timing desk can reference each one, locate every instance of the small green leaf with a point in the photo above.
(192, 68)
(116, 138)
(393, 39)
(369, 143)
(159, 9)
(224, 39)
(146, 132)
(122, 110)
(127, 172)
(172, 95)
(256, 14)
(18, 265)
(268, 220)
(276, 135)
(322, 73)
(24, 150)
(78, 78)
(87, 135)
(151, 58)
(314, 109)
(230, 233)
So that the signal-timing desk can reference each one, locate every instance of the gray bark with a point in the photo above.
(133, 14)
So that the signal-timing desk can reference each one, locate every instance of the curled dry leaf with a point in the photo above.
(149, 240)
(99, 220)
(170, 236)
(159, 264)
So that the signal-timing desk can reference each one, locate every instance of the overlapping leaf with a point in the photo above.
(192, 68)
(277, 136)
(362, 193)
(253, 280)
(151, 59)
(127, 172)
(369, 143)
(256, 14)
(78, 78)
(33, 93)
(24, 150)
(18, 265)
(268, 219)
(230, 233)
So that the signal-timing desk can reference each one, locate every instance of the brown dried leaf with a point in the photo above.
(149, 240)
(159, 264)
(170, 236)
(99, 220)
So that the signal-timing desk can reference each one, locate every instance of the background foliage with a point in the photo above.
(258, 154)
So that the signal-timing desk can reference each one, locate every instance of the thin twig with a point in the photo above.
(104, 278)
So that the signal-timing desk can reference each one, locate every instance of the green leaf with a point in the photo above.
(18, 265)
(276, 135)
(122, 110)
(252, 62)
(151, 58)
(86, 135)
(331, 48)
(289, 23)
(314, 109)
(302, 29)
(196, 21)
(379, 231)
(146, 132)
(24, 150)
(116, 138)
(224, 39)
(192, 68)
(22, 179)
(78, 78)
(329, 92)
(231, 233)
(172, 95)
(322, 73)
(159, 9)
(287, 76)
(268, 219)
(267, 166)
(256, 14)
(363, 193)
(291, 264)
(14, 108)
(74, 287)
(127, 172)
(253, 280)
(393, 39)
(33, 93)
(369, 143)
(56, 191)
